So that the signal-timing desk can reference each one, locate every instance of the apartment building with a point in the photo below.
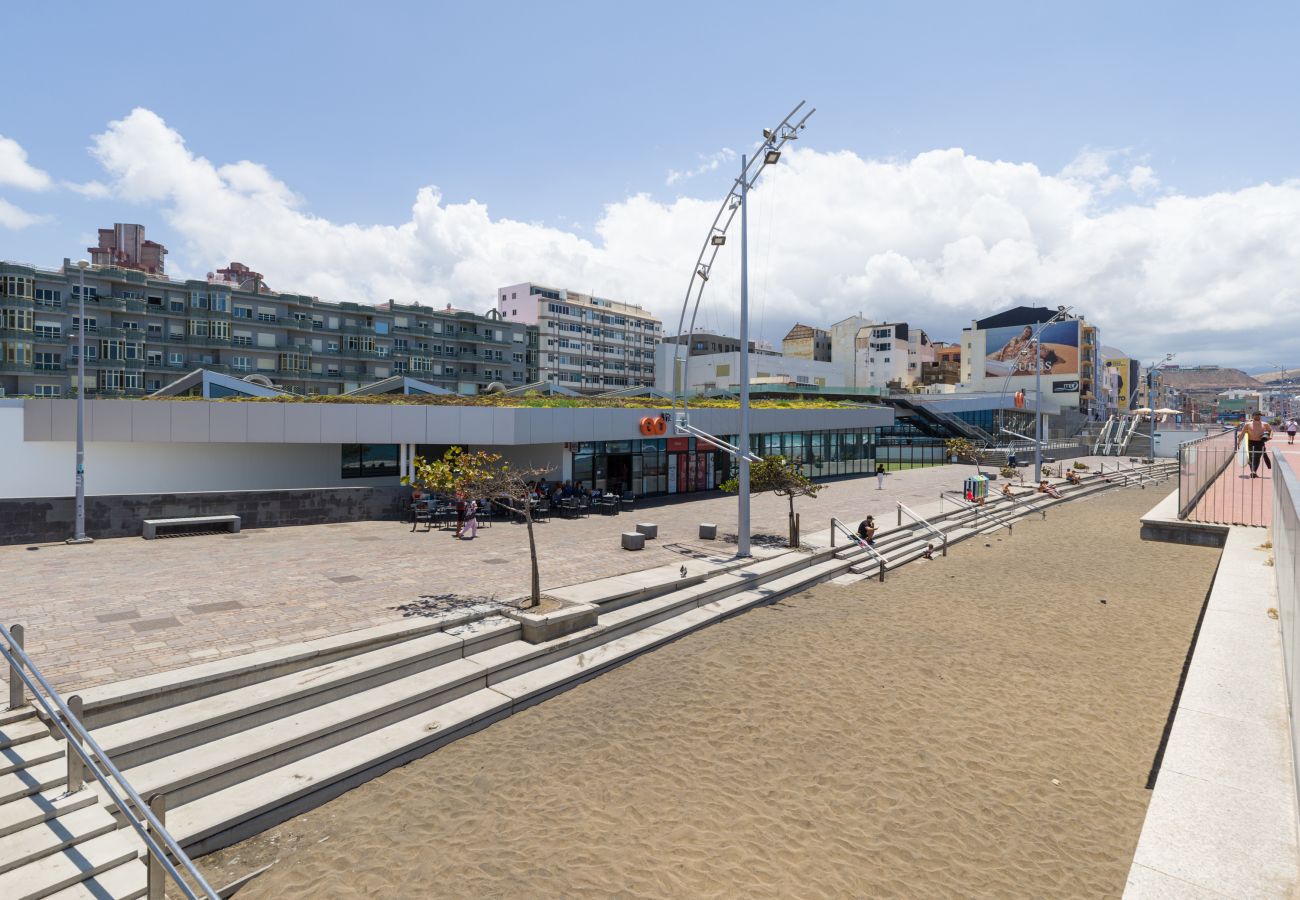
(585, 343)
(807, 342)
(144, 330)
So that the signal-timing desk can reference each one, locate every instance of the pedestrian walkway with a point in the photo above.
(1235, 498)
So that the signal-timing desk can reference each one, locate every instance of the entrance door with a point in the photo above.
(619, 476)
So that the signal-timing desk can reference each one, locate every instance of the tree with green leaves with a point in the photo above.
(783, 478)
(965, 451)
(480, 474)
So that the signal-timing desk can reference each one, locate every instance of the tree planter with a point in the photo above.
(540, 627)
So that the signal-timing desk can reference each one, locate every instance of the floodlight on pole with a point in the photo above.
(771, 157)
(718, 240)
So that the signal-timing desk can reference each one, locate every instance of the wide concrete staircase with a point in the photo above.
(241, 744)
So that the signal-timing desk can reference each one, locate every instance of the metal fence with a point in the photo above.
(1286, 565)
(1200, 463)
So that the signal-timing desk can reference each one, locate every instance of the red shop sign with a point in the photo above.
(678, 444)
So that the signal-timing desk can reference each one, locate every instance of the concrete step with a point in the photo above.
(53, 873)
(44, 838)
(251, 806)
(9, 716)
(122, 882)
(26, 729)
(26, 782)
(30, 753)
(35, 808)
(178, 728)
(215, 765)
(109, 703)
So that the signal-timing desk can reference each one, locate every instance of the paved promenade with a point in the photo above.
(1237, 499)
(126, 607)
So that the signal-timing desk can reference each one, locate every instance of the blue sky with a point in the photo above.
(549, 113)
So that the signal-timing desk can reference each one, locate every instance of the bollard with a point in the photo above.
(157, 884)
(76, 765)
(16, 695)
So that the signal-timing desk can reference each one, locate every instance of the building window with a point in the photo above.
(49, 390)
(243, 312)
(369, 460)
(48, 297)
(241, 363)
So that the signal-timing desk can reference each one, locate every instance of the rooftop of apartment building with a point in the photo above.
(571, 296)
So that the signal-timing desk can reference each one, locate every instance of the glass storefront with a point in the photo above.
(681, 465)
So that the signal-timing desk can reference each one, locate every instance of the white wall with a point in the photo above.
(47, 468)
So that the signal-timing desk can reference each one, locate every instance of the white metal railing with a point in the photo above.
(84, 753)
(1200, 463)
(924, 524)
(1286, 542)
(853, 536)
(979, 510)
(1023, 503)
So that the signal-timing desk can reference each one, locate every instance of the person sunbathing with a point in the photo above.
(1045, 488)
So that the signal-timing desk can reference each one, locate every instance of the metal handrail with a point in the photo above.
(852, 535)
(914, 517)
(76, 735)
(975, 506)
(1027, 505)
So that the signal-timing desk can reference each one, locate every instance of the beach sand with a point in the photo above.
(977, 726)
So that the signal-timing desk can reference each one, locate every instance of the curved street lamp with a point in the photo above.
(751, 167)
(1062, 312)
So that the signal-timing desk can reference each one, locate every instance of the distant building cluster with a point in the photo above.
(145, 331)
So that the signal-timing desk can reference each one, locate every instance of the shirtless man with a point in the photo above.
(1256, 432)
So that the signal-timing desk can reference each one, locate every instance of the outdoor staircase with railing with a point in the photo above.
(241, 744)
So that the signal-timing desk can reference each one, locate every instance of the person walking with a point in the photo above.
(471, 520)
(880, 477)
(1291, 428)
(1257, 432)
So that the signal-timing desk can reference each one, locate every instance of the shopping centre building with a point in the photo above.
(308, 462)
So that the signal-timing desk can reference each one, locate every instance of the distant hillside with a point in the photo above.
(1207, 378)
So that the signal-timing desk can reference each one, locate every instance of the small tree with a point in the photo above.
(480, 474)
(783, 478)
(964, 450)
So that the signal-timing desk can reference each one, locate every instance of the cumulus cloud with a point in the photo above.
(14, 218)
(709, 163)
(16, 171)
(935, 241)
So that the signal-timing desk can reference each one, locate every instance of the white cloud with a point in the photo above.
(13, 218)
(94, 190)
(935, 241)
(15, 171)
(709, 163)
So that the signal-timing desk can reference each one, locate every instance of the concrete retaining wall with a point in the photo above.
(47, 519)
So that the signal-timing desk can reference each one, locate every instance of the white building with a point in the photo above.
(585, 343)
(721, 371)
(879, 354)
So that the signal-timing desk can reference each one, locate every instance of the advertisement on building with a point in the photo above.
(1012, 350)
(1126, 370)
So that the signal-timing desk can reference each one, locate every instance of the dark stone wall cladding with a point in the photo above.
(44, 520)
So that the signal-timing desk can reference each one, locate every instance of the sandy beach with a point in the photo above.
(977, 726)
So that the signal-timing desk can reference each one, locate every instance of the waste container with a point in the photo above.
(975, 488)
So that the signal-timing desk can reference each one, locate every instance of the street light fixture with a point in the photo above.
(1062, 312)
(1151, 400)
(770, 157)
(79, 527)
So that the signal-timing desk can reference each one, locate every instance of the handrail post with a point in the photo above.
(899, 524)
(157, 883)
(16, 696)
(76, 766)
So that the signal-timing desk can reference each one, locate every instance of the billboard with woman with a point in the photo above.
(1012, 350)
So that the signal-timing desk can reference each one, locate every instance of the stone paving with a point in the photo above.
(126, 607)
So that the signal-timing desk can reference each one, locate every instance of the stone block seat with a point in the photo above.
(708, 531)
(204, 523)
(633, 540)
(650, 530)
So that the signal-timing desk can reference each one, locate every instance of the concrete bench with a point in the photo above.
(151, 526)
(708, 531)
(633, 540)
(650, 531)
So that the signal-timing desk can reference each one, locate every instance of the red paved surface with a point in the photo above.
(1237, 499)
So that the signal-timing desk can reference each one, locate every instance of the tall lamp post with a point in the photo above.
(79, 530)
(1151, 400)
(1061, 313)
